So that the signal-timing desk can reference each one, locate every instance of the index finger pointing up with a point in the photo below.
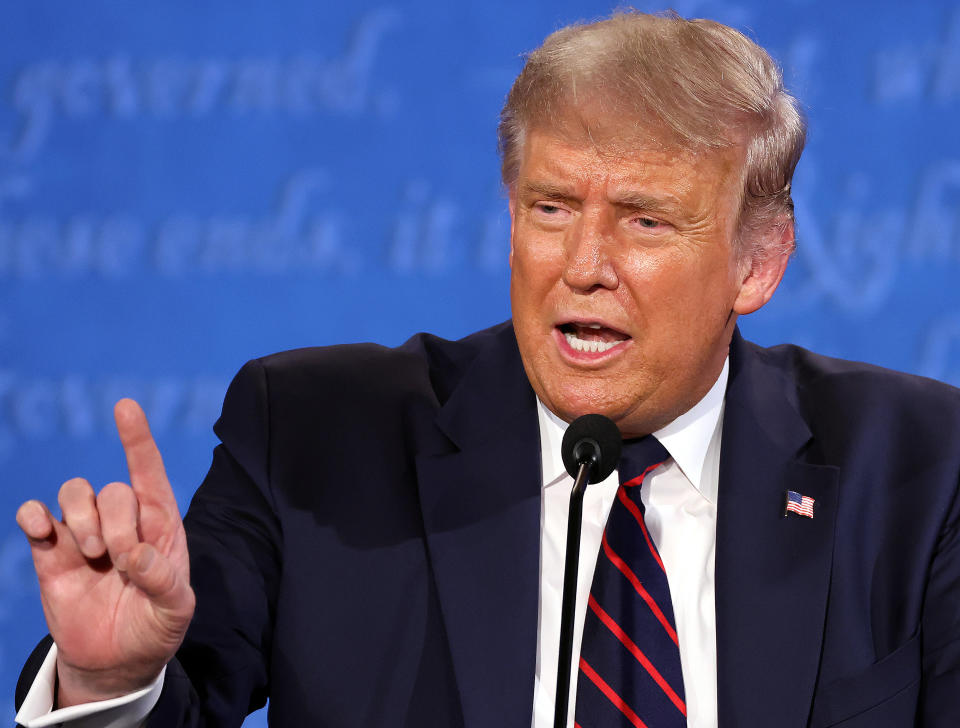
(147, 474)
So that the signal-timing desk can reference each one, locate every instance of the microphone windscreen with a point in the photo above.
(591, 436)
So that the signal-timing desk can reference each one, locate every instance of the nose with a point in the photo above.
(589, 263)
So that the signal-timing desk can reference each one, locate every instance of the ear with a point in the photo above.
(760, 278)
(512, 205)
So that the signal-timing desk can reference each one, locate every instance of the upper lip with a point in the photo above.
(590, 320)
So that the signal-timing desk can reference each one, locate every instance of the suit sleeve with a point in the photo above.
(221, 672)
(940, 630)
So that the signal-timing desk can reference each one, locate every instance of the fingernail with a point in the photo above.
(92, 545)
(145, 560)
(122, 562)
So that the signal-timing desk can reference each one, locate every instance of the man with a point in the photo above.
(376, 541)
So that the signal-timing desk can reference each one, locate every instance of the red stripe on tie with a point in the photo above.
(635, 510)
(638, 653)
(611, 694)
(638, 480)
(632, 578)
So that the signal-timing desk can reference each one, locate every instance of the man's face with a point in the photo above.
(624, 285)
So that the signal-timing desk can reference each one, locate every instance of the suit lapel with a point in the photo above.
(772, 573)
(481, 507)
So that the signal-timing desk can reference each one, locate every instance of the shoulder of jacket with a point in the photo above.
(853, 390)
(424, 363)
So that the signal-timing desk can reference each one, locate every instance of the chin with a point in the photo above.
(570, 405)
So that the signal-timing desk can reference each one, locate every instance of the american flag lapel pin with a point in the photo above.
(802, 505)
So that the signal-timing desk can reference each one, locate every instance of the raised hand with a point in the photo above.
(114, 572)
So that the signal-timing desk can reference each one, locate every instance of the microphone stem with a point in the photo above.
(569, 601)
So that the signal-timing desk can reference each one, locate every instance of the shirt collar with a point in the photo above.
(687, 438)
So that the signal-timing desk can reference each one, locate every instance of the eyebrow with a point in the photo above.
(547, 190)
(628, 199)
(641, 201)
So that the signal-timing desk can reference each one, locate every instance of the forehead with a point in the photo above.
(638, 159)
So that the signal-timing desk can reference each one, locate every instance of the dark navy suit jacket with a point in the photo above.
(365, 548)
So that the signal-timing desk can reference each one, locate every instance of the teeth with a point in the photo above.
(594, 326)
(592, 346)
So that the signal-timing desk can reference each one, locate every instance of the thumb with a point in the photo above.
(154, 574)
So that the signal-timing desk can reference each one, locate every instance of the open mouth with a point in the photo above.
(591, 337)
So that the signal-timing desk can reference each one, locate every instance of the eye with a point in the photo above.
(550, 213)
(548, 209)
(647, 230)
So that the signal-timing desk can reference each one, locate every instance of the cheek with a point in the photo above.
(669, 288)
(526, 280)
(536, 262)
(653, 281)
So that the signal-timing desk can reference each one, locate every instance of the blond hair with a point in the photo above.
(705, 83)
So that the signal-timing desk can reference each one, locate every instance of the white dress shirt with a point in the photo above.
(680, 500)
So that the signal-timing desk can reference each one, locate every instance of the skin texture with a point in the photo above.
(641, 242)
(114, 573)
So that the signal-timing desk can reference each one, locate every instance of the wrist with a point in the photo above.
(77, 686)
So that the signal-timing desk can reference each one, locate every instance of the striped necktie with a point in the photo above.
(629, 660)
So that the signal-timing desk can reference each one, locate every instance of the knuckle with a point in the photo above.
(114, 493)
(119, 535)
(119, 532)
(34, 520)
(82, 523)
(117, 506)
(74, 490)
(28, 508)
(28, 513)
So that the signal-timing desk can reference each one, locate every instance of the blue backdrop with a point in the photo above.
(184, 186)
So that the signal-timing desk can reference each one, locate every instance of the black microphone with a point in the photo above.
(592, 440)
(590, 451)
